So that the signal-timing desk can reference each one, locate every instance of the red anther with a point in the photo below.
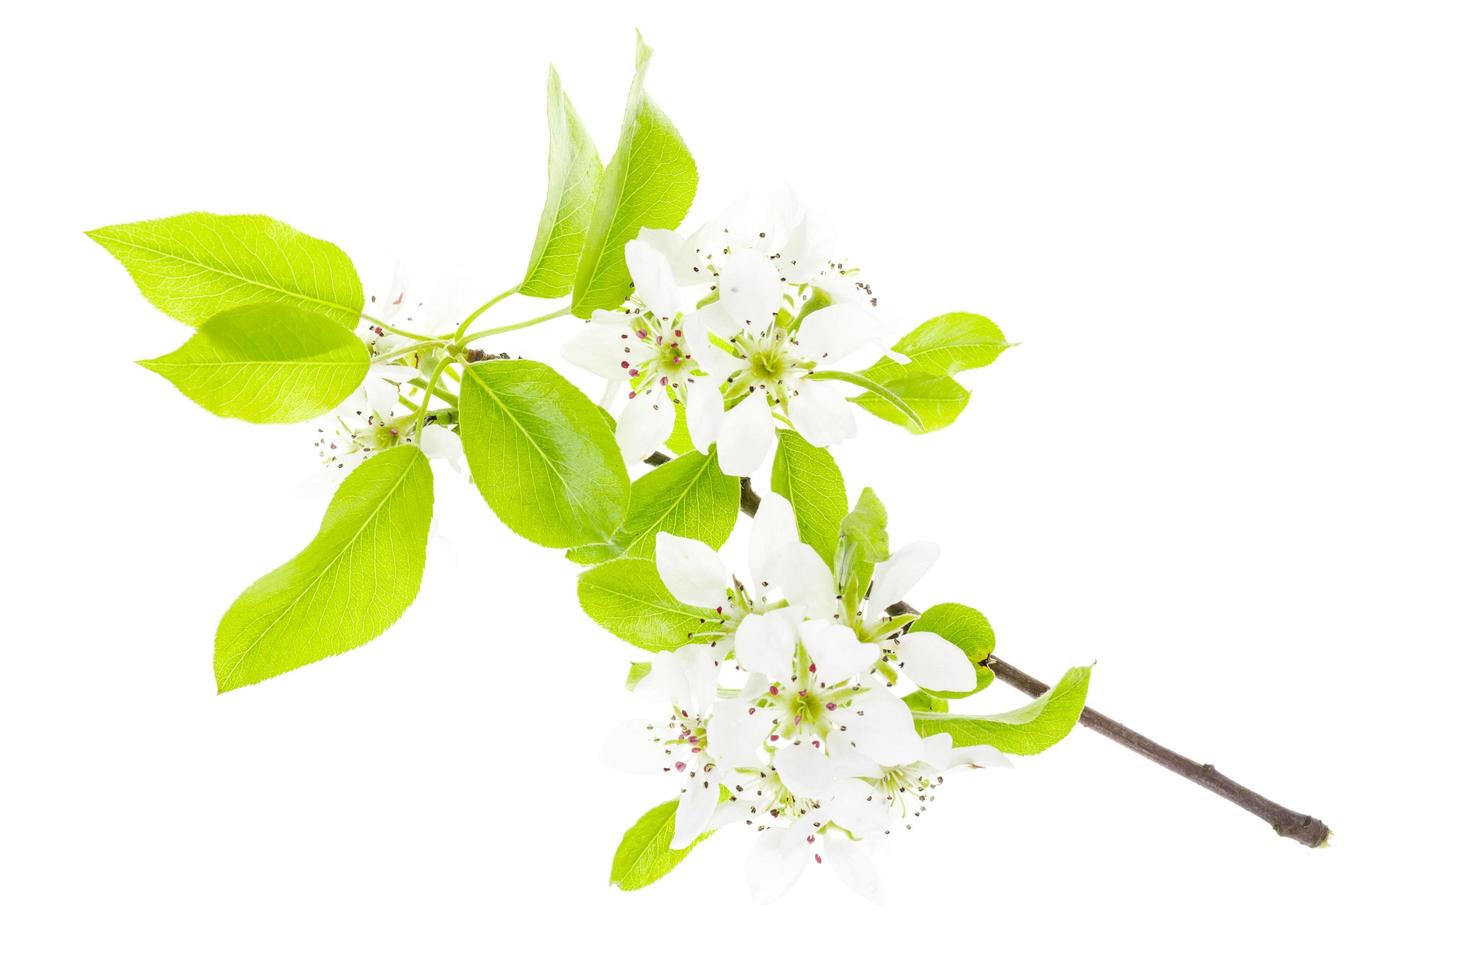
(775, 738)
(775, 690)
(632, 372)
(811, 668)
(831, 706)
(626, 364)
(678, 332)
(720, 610)
(817, 858)
(696, 749)
(631, 394)
(642, 334)
(680, 766)
(811, 838)
(663, 380)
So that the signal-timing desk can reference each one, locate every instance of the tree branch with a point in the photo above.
(1286, 822)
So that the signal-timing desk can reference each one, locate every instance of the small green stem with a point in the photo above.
(402, 352)
(426, 400)
(469, 338)
(395, 330)
(463, 327)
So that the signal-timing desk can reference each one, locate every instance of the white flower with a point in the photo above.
(643, 346)
(811, 745)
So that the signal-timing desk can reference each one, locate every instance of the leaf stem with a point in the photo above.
(426, 400)
(462, 328)
(395, 330)
(469, 338)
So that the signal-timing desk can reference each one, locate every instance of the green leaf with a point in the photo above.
(266, 363)
(923, 700)
(347, 587)
(195, 265)
(645, 854)
(636, 672)
(679, 440)
(689, 496)
(570, 199)
(935, 400)
(1024, 731)
(810, 480)
(967, 629)
(867, 526)
(627, 598)
(953, 342)
(649, 183)
(910, 419)
(541, 453)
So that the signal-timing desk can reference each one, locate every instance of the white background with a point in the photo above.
(1233, 462)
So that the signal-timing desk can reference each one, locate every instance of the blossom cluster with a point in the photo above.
(732, 324)
(782, 716)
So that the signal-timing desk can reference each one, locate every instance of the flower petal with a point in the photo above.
(807, 582)
(980, 757)
(383, 396)
(837, 651)
(830, 334)
(705, 411)
(599, 349)
(644, 424)
(701, 669)
(805, 771)
(899, 573)
(676, 250)
(652, 278)
(932, 661)
(821, 414)
(745, 435)
(776, 861)
(695, 807)
(736, 732)
(691, 571)
(772, 535)
(859, 806)
(851, 861)
(750, 288)
(667, 681)
(633, 747)
(766, 643)
(881, 727)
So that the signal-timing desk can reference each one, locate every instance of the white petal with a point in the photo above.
(395, 298)
(881, 727)
(384, 398)
(805, 771)
(805, 254)
(766, 643)
(705, 411)
(837, 652)
(644, 424)
(980, 757)
(807, 582)
(652, 278)
(851, 861)
(849, 762)
(695, 808)
(634, 747)
(899, 573)
(772, 535)
(394, 373)
(859, 806)
(935, 751)
(599, 349)
(750, 288)
(745, 435)
(821, 414)
(691, 571)
(712, 319)
(832, 333)
(932, 661)
(736, 732)
(667, 681)
(439, 442)
(701, 669)
(676, 250)
(776, 861)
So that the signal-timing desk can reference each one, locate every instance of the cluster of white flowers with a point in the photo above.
(784, 718)
(381, 413)
(769, 310)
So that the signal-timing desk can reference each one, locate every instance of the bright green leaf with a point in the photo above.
(935, 400)
(541, 454)
(195, 265)
(925, 701)
(649, 183)
(1024, 731)
(689, 496)
(953, 342)
(266, 363)
(627, 598)
(885, 394)
(636, 672)
(867, 526)
(570, 199)
(679, 440)
(347, 587)
(645, 854)
(967, 629)
(810, 480)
